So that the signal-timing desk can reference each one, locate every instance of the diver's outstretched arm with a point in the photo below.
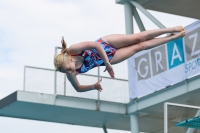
(82, 88)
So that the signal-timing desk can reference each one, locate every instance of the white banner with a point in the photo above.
(154, 69)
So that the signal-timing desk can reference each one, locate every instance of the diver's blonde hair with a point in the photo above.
(63, 56)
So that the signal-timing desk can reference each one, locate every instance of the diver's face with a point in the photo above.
(68, 67)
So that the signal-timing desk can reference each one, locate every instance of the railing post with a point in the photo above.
(98, 100)
(24, 78)
(55, 75)
(64, 84)
(165, 118)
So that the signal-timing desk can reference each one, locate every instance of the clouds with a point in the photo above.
(31, 29)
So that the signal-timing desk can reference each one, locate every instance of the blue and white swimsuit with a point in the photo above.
(93, 59)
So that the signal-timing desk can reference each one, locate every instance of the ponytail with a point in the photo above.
(60, 58)
(64, 46)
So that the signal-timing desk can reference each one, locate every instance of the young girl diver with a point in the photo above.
(106, 51)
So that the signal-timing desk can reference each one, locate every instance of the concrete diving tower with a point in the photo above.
(80, 111)
(68, 110)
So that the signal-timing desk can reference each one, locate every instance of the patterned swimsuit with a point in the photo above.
(93, 59)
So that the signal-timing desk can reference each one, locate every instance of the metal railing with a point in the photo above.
(49, 81)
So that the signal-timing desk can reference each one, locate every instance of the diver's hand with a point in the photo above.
(97, 86)
(109, 69)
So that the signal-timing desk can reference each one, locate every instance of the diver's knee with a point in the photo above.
(142, 46)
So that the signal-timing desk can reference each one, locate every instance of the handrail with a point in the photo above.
(80, 74)
(30, 82)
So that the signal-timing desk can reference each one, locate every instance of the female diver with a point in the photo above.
(110, 49)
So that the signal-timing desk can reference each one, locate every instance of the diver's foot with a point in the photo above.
(178, 29)
(178, 35)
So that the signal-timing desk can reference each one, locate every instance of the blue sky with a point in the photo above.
(29, 31)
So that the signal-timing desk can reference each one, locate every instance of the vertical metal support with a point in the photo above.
(134, 123)
(128, 9)
(138, 19)
(55, 74)
(98, 98)
(64, 84)
(165, 118)
(104, 129)
(55, 80)
(146, 13)
(24, 78)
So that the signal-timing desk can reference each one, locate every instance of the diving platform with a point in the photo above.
(111, 115)
(63, 109)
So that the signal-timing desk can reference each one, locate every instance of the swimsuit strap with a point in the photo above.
(80, 54)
